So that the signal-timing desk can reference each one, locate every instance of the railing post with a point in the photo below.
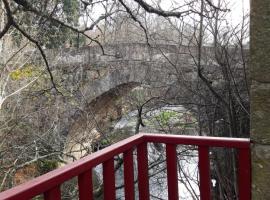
(85, 185)
(129, 175)
(204, 171)
(244, 174)
(109, 179)
(172, 177)
(143, 182)
(53, 194)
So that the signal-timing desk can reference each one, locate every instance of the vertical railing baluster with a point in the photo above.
(204, 171)
(129, 175)
(143, 182)
(85, 185)
(244, 175)
(172, 177)
(53, 194)
(109, 179)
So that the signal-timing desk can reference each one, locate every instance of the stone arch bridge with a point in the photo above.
(122, 64)
(100, 79)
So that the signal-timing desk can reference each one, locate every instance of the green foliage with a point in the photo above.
(165, 116)
(71, 10)
(47, 32)
(45, 166)
(105, 142)
(58, 35)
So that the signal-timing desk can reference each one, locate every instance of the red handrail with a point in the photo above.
(49, 184)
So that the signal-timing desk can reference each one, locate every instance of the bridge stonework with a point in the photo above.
(101, 79)
(97, 79)
(121, 64)
(260, 98)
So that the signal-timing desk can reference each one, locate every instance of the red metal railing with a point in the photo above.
(49, 184)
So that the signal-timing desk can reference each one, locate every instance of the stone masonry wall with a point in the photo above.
(260, 98)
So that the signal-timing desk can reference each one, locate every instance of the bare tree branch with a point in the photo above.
(160, 12)
(136, 20)
(6, 28)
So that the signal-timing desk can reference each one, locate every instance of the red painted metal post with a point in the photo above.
(85, 185)
(109, 179)
(129, 175)
(204, 171)
(244, 174)
(53, 194)
(172, 176)
(143, 182)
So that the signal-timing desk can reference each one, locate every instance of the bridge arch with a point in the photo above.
(94, 118)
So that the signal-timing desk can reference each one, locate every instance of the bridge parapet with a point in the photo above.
(93, 55)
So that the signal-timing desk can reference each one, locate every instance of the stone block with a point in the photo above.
(260, 172)
(260, 112)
